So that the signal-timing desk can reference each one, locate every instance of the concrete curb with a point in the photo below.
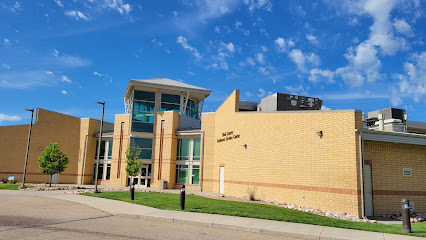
(288, 229)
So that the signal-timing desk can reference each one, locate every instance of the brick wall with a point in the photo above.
(285, 160)
(168, 149)
(389, 185)
(49, 127)
(118, 176)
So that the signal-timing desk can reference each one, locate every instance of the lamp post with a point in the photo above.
(99, 146)
(28, 147)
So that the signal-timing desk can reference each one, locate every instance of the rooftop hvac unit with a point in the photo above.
(390, 113)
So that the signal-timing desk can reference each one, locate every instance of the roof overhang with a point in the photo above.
(393, 137)
(197, 94)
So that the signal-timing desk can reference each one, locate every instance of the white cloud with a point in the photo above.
(395, 98)
(261, 93)
(264, 71)
(363, 65)
(413, 82)
(283, 45)
(175, 13)
(381, 30)
(403, 27)
(312, 39)
(72, 61)
(248, 94)
(229, 46)
(260, 58)
(26, 79)
(9, 118)
(5, 66)
(325, 108)
(58, 3)
(77, 15)
(66, 79)
(6, 42)
(317, 75)
(184, 43)
(64, 92)
(217, 29)
(97, 74)
(299, 90)
(264, 48)
(50, 73)
(239, 28)
(55, 52)
(301, 59)
(118, 5)
(259, 4)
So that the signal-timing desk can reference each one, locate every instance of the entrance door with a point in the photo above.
(368, 191)
(145, 176)
(221, 180)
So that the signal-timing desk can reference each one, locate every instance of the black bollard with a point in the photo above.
(132, 191)
(406, 223)
(182, 197)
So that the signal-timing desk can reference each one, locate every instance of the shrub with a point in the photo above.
(252, 194)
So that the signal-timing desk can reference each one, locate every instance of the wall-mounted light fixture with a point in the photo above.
(319, 133)
(245, 146)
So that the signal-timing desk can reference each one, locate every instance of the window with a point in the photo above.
(188, 161)
(192, 109)
(104, 170)
(182, 174)
(183, 149)
(143, 111)
(142, 144)
(170, 102)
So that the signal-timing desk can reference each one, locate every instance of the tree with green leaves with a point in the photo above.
(52, 161)
(133, 162)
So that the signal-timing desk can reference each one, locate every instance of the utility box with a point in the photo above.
(288, 102)
(163, 184)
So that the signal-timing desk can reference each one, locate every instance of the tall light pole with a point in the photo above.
(99, 146)
(28, 147)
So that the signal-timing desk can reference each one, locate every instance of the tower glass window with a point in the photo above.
(143, 111)
(170, 102)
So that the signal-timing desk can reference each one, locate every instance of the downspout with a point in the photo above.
(84, 157)
(361, 172)
(202, 160)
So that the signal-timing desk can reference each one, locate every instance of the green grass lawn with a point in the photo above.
(253, 210)
(12, 186)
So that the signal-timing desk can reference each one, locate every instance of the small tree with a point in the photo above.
(133, 162)
(52, 161)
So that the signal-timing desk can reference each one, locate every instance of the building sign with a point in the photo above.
(226, 136)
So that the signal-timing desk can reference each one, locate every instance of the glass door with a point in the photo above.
(145, 176)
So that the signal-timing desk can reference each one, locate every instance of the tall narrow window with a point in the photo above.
(192, 109)
(188, 161)
(104, 170)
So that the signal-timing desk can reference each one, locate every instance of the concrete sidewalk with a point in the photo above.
(297, 230)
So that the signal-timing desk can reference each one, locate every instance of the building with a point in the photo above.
(282, 149)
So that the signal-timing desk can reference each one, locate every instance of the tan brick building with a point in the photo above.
(327, 159)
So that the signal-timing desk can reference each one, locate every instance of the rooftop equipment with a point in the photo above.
(288, 102)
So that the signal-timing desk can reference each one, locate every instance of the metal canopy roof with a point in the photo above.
(394, 137)
(164, 83)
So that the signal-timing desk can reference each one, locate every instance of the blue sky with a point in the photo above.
(65, 55)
